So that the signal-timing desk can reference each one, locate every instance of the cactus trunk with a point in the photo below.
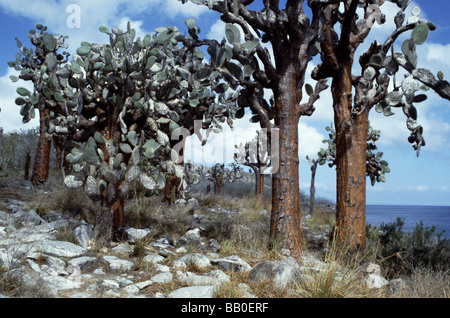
(117, 211)
(312, 189)
(259, 184)
(42, 159)
(285, 227)
(350, 164)
(104, 222)
(218, 186)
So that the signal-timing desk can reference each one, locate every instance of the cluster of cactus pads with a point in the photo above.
(43, 67)
(376, 168)
(380, 67)
(120, 102)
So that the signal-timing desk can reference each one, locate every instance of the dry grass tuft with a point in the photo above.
(424, 283)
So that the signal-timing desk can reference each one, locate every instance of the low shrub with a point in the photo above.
(401, 252)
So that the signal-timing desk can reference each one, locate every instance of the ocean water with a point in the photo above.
(412, 214)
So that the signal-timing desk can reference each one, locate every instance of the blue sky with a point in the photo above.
(417, 181)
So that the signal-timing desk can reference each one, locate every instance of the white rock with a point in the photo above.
(84, 234)
(117, 263)
(112, 293)
(212, 278)
(144, 284)
(375, 281)
(132, 235)
(190, 237)
(80, 295)
(34, 266)
(122, 248)
(280, 272)
(123, 281)
(373, 269)
(30, 234)
(28, 218)
(194, 259)
(163, 278)
(82, 262)
(110, 283)
(153, 258)
(194, 292)
(161, 268)
(59, 248)
(135, 288)
(232, 263)
(99, 271)
(193, 201)
(57, 283)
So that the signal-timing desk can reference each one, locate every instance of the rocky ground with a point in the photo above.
(55, 255)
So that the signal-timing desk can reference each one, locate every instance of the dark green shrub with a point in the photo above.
(401, 252)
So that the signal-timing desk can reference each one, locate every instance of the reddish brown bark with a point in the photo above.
(110, 222)
(27, 166)
(41, 164)
(351, 147)
(172, 184)
(312, 189)
(60, 149)
(259, 181)
(259, 191)
(117, 210)
(285, 227)
(218, 185)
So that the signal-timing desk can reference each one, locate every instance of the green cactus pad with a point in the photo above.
(250, 45)
(49, 42)
(90, 155)
(117, 160)
(22, 91)
(125, 148)
(83, 50)
(133, 138)
(420, 33)
(148, 182)
(233, 34)
(99, 138)
(104, 29)
(190, 23)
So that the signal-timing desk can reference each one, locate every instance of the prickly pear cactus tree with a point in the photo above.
(125, 101)
(218, 175)
(235, 170)
(378, 86)
(256, 155)
(246, 63)
(45, 68)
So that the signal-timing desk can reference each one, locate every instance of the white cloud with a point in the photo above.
(217, 31)
(175, 7)
(310, 141)
(438, 53)
(93, 14)
(421, 188)
(220, 148)
(10, 118)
